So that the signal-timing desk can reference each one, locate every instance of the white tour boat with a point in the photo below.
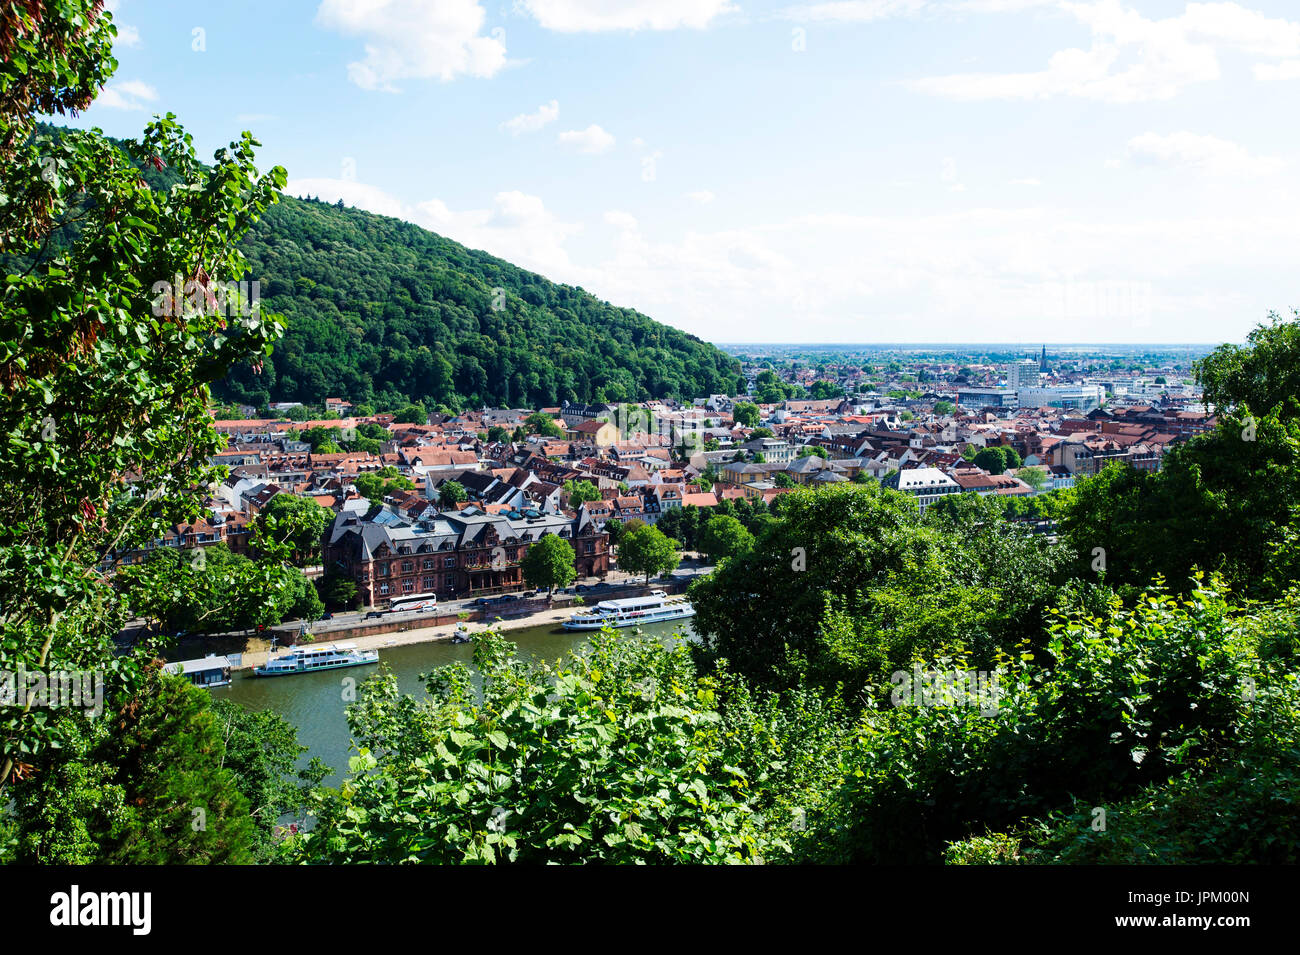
(631, 612)
(310, 659)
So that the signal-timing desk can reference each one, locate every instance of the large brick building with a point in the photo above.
(453, 555)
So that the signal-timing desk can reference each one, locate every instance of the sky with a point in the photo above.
(858, 171)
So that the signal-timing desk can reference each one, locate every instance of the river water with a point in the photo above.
(315, 704)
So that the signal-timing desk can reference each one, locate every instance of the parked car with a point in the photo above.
(327, 616)
(506, 597)
(373, 614)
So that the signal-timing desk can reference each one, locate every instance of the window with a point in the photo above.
(451, 581)
(408, 566)
(429, 582)
(383, 588)
(427, 564)
(408, 586)
(449, 561)
(381, 570)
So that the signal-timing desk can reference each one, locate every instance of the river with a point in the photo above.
(314, 703)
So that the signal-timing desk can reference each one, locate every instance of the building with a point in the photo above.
(453, 555)
(212, 670)
(590, 431)
(927, 485)
(774, 450)
(1022, 374)
(1077, 397)
(974, 398)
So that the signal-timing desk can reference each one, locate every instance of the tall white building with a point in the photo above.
(1022, 374)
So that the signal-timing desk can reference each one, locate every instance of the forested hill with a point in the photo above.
(376, 305)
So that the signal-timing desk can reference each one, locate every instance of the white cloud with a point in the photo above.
(1246, 30)
(353, 193)
(982, 274)
(590, 16)
(126, 94)
(621, 220)
(532, 122)
(702, 196)
(1132, 58)
(412, 39)
(1208, 154)
(853, 11)
(1286, 70)
(1025, 182)
(517, 227)
(127, 35)
(593, 139)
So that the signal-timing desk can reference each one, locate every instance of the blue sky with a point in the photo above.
(872, 170)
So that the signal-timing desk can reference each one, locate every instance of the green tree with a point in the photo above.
(291, 527)
(339, 592)
(1219, 503)
(1035, 477)
(411, 414)
(209, 590)
(616, 755)
(548, 563)
(1263, 375)
(850, 581)
(451, 494)
(992, 459)
(724, 536)
(578, 493)
(647, 550)
(746, 413)
(105, 375)
(544, 425)
(319, 438)
(134, 784)
(261, 752)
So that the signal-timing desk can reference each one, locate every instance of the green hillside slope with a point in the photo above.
(377, 306)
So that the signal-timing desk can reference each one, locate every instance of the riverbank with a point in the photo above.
(403, 638)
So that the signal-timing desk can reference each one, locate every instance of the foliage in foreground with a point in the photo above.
(104, 377)
(618, 754)
(1171, 693)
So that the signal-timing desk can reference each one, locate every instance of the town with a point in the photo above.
(447, 505)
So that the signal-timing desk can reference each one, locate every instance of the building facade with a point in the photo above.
(453, 555)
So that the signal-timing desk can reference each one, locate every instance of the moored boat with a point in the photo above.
(631, 612)
(310, 659)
